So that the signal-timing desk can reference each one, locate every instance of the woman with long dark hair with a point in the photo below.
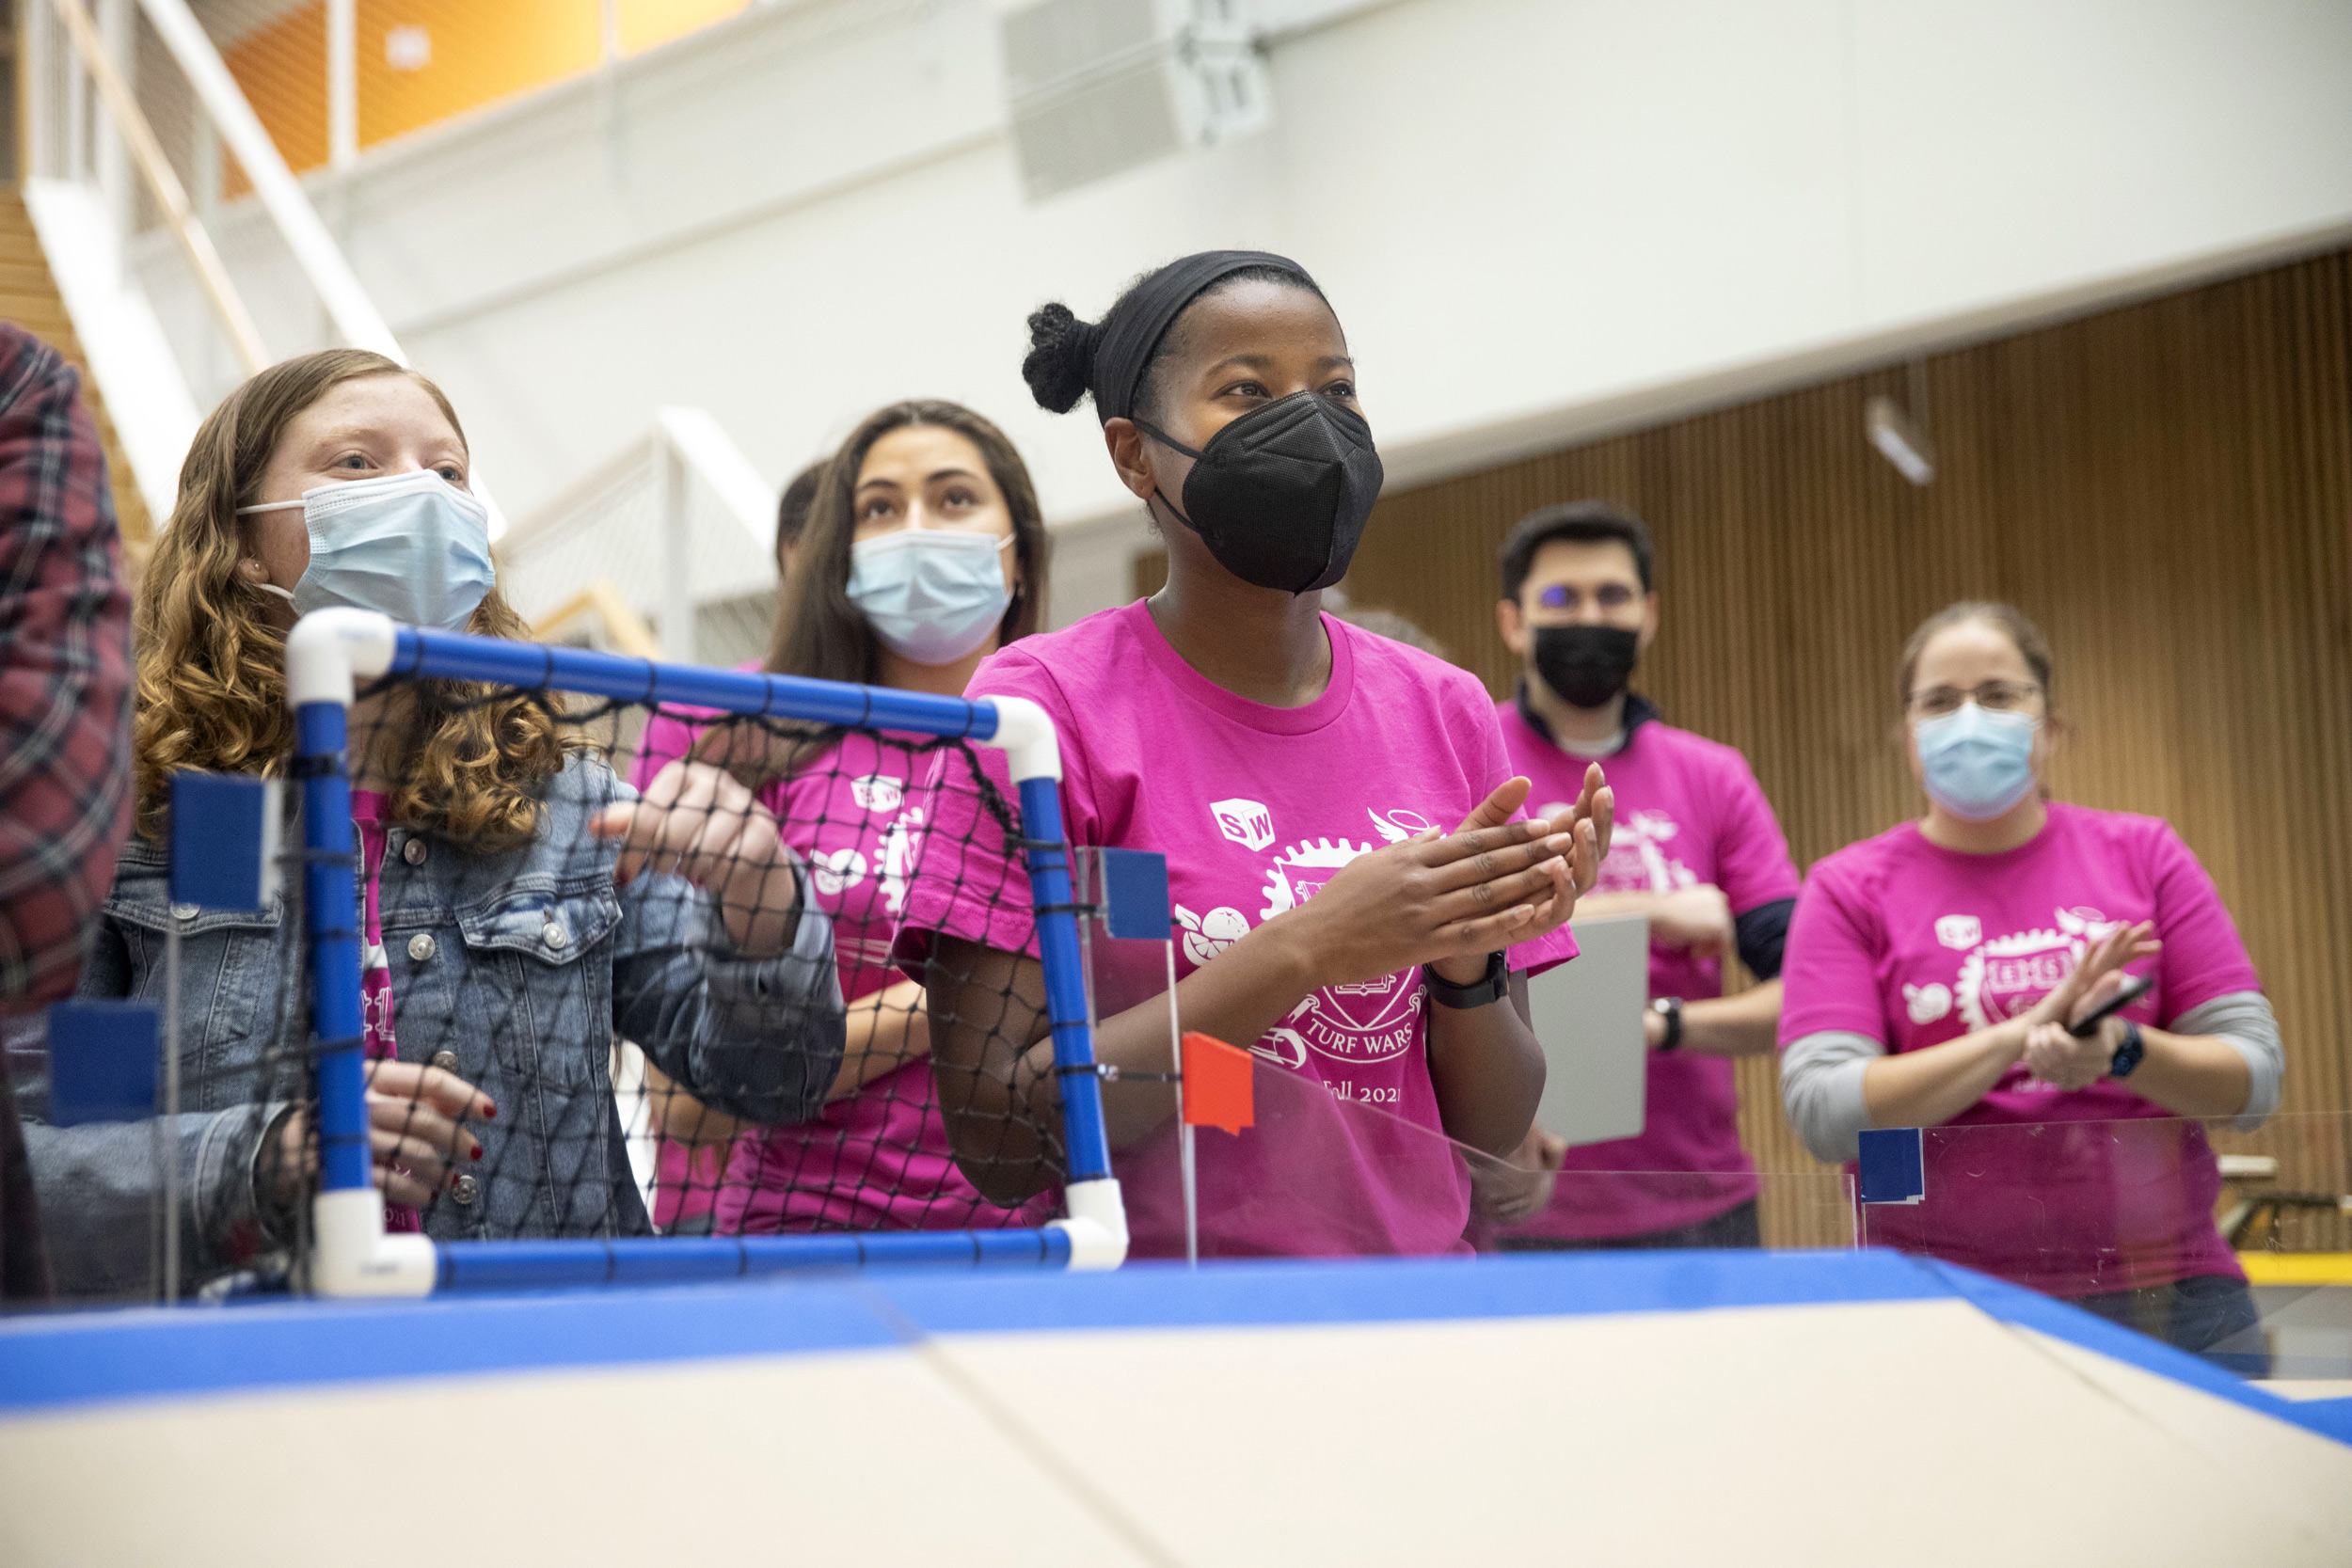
(924, 552)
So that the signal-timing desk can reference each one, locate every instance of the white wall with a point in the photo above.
(1539, 219)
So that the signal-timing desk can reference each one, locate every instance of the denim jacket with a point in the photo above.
(513, 971)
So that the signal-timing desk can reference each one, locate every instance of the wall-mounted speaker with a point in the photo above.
(1099, 87)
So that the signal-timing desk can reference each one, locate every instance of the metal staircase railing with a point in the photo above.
(110, 154)
(677, 530)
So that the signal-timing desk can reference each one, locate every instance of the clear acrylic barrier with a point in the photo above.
(1572, 1210)
(2113, 1216)
(2144, 1222)
(1312, 1177)
(1320, 1174)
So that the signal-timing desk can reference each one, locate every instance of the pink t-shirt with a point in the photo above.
(1912, 945)
(1689, 814)
(372, 813)
(1255, 808)
(877, 1160)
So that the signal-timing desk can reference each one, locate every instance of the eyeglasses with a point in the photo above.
(1992, 696)
(1559, 595)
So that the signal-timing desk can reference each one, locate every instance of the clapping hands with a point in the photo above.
(2053, 1054)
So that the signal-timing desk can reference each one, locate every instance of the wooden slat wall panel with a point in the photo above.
(2167, 488)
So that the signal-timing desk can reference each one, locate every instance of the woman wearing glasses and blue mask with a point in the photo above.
(1354, 894)
(511, 921)
(1932, 974)
(924, 553)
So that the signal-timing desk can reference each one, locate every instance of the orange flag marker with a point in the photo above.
(1217, 1083)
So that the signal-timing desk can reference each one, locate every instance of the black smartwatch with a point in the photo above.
(1669, 1008)
(2128, 1053)
(1489, 988)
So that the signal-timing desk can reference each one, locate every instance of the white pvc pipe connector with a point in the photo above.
(351, 1255)
(1096, 1225)
(355, 315)
(327, 648)
(1024, 734)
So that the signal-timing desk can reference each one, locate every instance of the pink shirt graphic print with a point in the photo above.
(877, 1158)
(1910, 945)
(1256, 808)
(372, 813)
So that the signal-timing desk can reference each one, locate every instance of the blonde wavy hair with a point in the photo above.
(212, 683)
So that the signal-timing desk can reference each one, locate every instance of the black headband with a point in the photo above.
(1136, 325)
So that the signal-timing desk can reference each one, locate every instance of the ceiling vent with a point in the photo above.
(1099, 87)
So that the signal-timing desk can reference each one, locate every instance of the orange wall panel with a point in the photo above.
(282, 70)
(422, 61)
(478, 54)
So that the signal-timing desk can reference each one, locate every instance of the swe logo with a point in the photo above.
(877, 792)
(1247, 823)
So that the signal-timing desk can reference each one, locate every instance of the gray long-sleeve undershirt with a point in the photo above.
(1820, 1075)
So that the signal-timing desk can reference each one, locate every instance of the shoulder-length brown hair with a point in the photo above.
(212, 663)
(819, 632)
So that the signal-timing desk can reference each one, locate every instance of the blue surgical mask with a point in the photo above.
(1978, 764)
(932, 594)
(410, 546)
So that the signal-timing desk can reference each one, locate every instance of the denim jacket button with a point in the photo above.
(445, 1060)
(184, 911)
(554, 936)
(414, 854)
(421, 948)
(466, 1188)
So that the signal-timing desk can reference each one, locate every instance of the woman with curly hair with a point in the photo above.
(519, 904)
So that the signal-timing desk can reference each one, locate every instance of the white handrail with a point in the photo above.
(355, 317)
(87, 233)
(179, 216)
(684, 450)
(622, 467)
(709, 452)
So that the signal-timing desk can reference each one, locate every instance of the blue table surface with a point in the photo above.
(53, 1359)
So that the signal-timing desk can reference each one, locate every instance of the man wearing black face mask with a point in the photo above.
(1696, 851)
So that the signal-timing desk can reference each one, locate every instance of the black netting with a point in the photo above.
(625, 972)
(684, 1001)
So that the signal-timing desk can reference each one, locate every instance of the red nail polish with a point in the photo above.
(489, 1112)
(477, 1151)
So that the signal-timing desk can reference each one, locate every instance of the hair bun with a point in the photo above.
(1061, 360)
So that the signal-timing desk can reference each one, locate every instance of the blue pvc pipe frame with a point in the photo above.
(331, 904)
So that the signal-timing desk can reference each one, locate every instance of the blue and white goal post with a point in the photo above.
(554, 1165)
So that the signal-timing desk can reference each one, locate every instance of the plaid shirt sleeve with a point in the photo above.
(65, 675)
